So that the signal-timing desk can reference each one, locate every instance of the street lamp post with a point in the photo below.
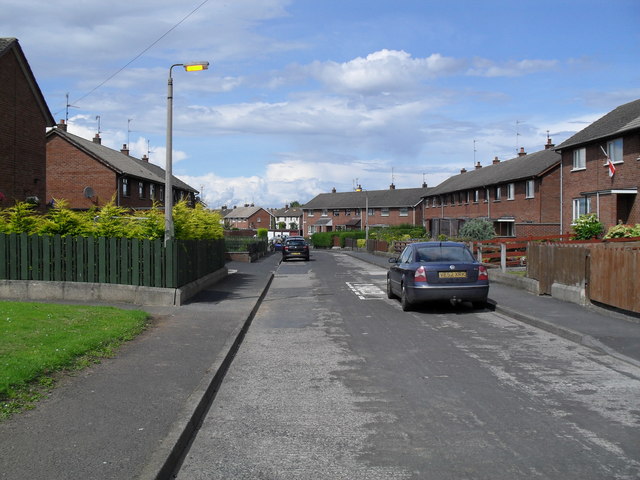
(168, 179)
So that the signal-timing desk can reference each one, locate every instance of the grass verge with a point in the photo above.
(38, 341)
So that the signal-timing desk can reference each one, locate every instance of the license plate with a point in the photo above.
(295, 253)
(452, 274)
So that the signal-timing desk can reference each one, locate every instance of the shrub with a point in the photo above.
(623, 231)
(587, 226)
(263, 233)
(477, 229)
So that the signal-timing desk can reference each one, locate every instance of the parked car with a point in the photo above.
(428, 271)
(295, 247)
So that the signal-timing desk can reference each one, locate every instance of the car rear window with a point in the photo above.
(295, 242)
(444, 254)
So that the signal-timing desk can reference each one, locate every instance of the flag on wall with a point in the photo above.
(610, 165)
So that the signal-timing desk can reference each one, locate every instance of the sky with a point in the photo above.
(303, 96)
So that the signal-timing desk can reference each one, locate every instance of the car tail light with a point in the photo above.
(420, 275)
(482, 273)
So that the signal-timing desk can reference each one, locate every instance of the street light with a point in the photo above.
(168, 187)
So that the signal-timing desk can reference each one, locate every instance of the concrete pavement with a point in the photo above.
(132, 416)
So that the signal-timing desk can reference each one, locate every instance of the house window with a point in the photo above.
(468, 198)
(581, 206)
(498, 194)
(404, 212)
(476, 196)
(347, 212)
(141, 189)
(161, 193)
(357, 213)
(511, 191)
(579, 159)
(310, 213)
(530, 189)
(614, 150)
(371, 212)
(125, 187)
(384, 212)
(336, 213)
(434, 202)
(325, 212)
(152, 191)
(486, 195)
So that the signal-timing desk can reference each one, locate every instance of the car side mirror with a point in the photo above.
(393, 260)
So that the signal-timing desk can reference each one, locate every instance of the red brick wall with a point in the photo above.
(22, 136)
(538, 214)
(595, 177)
(70, 170)
(414, 217)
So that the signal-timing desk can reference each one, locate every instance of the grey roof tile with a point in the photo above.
(519, 168)
(399, 197)
(622, 119)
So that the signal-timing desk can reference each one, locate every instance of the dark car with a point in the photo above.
(295, 247)
(428, 271)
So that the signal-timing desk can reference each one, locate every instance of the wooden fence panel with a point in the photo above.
(551, 263)
(614, 277)
(108, 260)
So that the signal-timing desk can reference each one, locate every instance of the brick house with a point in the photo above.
(24, 118)
(361, 208)
(248, 217)
(86, 173)
(587, 185)
(521, 196)
(290, 216)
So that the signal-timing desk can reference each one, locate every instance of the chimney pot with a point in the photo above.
(496, 160)
(478, 165)
(124, 149)
(333, 190)
(392, 187)
(424, 184)
(97, 139)
(463, 170)
(522, 153)
(62, 125)
(549, 144)
(145, 158)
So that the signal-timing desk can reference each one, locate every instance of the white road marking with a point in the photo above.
(366, 291)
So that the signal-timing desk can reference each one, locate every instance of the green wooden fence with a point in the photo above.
(122, 261)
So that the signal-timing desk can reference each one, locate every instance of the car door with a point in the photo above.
(397, 269)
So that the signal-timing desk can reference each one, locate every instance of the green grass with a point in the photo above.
(38, 341)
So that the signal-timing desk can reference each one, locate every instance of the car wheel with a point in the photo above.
(390, 293)
(404, 301)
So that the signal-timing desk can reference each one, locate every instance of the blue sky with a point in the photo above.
(304, 96)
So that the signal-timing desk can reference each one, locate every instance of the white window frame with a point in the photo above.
(476, 196)
(310, 213)
(580, 206)
(325, 212)
(614, 150)
(125, 187)
(404, 211)
(579, 159)
(384, 212)
(511, 191)
(530, 189)
(497, 194)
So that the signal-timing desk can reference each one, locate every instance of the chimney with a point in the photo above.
(97, 139)
(478, 165)
(496, 160)
(286, 207)
(333, 190)
(224, 207)
(145, 158)
(522, 153)
(424, 184)
(62, 125)
(125, 150)
(463, 170)
(392, 187)
(549, 144)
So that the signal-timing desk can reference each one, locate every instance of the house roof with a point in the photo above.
(119, 162)
(10, 44)
(244, 212)
(519, 168)
(287, 212)
(623, 119)
(400, 197)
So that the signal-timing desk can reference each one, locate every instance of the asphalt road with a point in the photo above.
(334, 381)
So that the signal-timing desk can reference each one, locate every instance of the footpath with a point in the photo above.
(133, 415)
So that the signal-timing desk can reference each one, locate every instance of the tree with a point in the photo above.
(478, 229)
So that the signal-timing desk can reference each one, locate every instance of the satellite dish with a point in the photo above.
(88, 192)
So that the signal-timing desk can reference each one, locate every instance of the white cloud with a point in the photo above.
(488, 68)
